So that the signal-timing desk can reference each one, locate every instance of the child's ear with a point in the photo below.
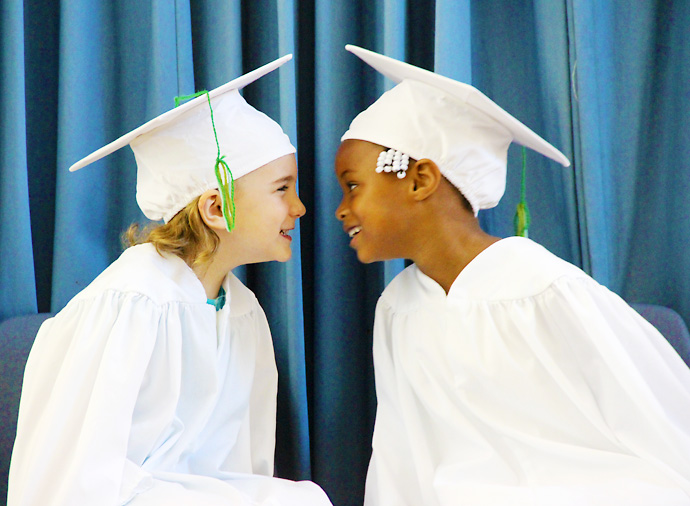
(211, 209)
(426, 177)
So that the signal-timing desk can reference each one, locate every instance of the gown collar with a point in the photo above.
(471, 276)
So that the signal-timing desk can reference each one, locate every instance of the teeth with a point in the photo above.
(354, 231)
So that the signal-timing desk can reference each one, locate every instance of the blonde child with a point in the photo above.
(504, 375)
(156, 385)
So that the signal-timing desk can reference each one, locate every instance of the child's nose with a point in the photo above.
(340, 212)
(298, 208)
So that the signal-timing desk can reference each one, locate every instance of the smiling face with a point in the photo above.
(374, 208)
(267, 208)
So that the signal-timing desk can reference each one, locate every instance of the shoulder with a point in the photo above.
(513, 268)
(409, 288)
(141, 270)
(405, 281)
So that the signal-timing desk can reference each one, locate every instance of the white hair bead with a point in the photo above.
(393, 160)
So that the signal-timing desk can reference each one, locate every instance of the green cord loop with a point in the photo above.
(226, 185)
(226, 182)
(182, 98)
(522, 219)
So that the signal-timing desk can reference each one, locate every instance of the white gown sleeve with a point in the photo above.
(262, 402)
(392, 476)
(80, 387)
(637, 387)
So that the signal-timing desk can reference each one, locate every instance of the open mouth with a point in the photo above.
(354, 231)
(285, 233)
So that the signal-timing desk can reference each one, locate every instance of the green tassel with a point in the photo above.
(226, 185)
(226, 182)
(522, 219)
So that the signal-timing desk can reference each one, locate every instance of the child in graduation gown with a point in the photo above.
(504, 375)
(156, 385)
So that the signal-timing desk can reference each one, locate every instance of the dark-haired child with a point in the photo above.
(504, 375)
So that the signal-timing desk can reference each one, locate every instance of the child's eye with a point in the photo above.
(351, 186)
(283, 188)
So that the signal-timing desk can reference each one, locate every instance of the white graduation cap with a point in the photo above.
(176, 152)
(451, 123)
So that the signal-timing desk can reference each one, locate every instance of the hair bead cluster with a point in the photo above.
(393, 160)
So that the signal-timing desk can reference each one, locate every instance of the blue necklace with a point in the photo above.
(219, 301)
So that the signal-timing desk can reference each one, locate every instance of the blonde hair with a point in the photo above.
(185, 235)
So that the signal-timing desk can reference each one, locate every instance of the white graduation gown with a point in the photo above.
(139, 392)
(528, 384)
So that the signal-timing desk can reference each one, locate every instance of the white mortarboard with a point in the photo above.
(176, 151)
(451, 123)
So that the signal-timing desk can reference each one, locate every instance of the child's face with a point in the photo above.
(267, 207)
(374, 207)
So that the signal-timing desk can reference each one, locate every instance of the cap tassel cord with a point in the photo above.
(521, 221)
(226, 182)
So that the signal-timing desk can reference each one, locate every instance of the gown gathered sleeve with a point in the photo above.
(386, 466)
(630, 380)
(263, 407)
(527, 384)
(78, 398)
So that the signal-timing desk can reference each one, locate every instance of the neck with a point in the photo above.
(211, 278)
(449, 248)
(212, 273)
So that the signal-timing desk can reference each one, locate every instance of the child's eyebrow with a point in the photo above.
(286, 179)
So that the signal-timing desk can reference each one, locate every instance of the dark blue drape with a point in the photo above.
(607, 83)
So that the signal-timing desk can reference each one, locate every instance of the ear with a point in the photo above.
(426, 177)
(211, 210)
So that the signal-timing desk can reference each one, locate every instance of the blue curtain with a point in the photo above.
(633, 88)
(16, 252)
(606, 83)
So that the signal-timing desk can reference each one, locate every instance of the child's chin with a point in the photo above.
(284, 257)
(367, 258)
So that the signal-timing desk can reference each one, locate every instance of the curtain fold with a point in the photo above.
(18, 293)
(41, 59)
(611, 43)
(658, 236)
(343, 290)
(520, 60)
(632, 97)
(606, 83)
(552, 59)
